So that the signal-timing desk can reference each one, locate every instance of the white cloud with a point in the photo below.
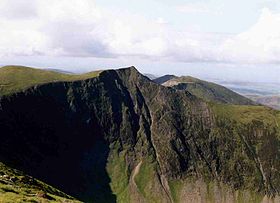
(161, 21)
(198, 7)
(18, 9)
(80, 28)
(259, 44)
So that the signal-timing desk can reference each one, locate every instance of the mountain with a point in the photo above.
(164, 79)
(264, 93)
(251, 88)
(16, 78)
(207, 91)
(272, 101)
(59, 70)
(150, 76)
(120, 137)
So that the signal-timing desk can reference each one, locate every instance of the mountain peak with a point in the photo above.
(131, 73)
(129, 68)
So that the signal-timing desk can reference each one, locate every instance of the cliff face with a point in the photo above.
(121, 137)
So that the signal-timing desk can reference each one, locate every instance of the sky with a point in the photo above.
(216, 39)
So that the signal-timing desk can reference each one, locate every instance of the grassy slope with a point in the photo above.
(246, 114)
(257, 128)
(237, 117)
(207, 91)
(16, 78)
(119, 175)
(18, 187)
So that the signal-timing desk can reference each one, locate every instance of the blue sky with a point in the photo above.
(226, 39)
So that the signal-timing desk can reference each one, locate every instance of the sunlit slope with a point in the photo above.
(16, 78)
(246, 113)
(16, 186)
(207, 91)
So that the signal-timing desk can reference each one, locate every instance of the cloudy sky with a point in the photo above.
(223, 39)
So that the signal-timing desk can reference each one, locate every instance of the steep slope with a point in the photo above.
(205, 90)
(120, 137)
(16, 78)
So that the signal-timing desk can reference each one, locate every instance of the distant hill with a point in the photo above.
(16, 78)
(264, 93)
(164, 79)
(207, 91)
(272, 101)
(150, 76)
(58, 70)
(251, 88)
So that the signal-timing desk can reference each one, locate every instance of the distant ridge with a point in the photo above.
(164, 79)
(17, 78)
(59, 70)
(207, 91)
(150, 76)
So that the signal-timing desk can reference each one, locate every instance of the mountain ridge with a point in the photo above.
(207, 91)
(108, 124)
(17, 78)
(163, 79)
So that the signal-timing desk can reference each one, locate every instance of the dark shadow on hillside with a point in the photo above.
(62, 145)
(95, 175)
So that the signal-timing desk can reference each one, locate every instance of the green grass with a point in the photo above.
(209, 91)
(250, 142)
(144, 176)
(18, 187)
(176, 187)
(17, 78)
(118, 172)
(147, 181)
(246, 114)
